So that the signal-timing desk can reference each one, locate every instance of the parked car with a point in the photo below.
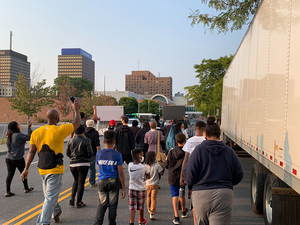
(132, 119)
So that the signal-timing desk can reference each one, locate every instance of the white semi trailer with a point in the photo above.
(261, 108)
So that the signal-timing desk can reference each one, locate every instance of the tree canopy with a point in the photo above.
(90, 99)
(30, 100)
(130, 104)
(80, 84)
(232, 14)
(64, 91)
(207, 96)
(153, 106)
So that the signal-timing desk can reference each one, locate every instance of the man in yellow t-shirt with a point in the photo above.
(48, 141)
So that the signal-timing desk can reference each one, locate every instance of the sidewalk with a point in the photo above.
(3, 148)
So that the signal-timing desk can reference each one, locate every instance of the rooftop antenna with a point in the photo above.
(11, 34)
(138, 64)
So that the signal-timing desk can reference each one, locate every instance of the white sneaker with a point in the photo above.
(152, 217)
(176, 220)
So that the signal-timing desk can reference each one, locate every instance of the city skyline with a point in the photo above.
(121, 36)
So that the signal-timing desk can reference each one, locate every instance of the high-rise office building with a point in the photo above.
(75, 62)
(11, 64)
(146, 84)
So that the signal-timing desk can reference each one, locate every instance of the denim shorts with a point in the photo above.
(174, 190)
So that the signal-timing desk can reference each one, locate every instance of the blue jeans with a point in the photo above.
(92, 170)
(51, 189)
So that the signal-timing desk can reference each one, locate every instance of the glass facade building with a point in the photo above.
(11, 64)
(75, 62)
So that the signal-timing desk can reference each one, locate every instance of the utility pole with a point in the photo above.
(11, 34)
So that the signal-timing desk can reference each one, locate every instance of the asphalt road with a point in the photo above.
(24, 208)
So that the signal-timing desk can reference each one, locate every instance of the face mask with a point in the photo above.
(142, 159)
(155, 160)
(182, 130)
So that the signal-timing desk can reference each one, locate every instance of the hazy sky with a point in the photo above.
(117, 34)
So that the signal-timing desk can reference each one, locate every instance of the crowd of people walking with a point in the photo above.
(202, 166)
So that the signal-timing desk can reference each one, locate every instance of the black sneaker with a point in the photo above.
(56, 218)
(185, 213)
(176, 220)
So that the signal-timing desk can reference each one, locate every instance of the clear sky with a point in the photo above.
(117, 33)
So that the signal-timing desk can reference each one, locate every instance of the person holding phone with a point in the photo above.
(15, 142)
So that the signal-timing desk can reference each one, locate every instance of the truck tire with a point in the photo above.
(278, 216)
(258, 177)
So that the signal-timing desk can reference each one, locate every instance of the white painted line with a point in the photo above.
(34, 162)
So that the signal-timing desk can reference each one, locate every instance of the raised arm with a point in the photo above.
(94, 117)
(77, 121)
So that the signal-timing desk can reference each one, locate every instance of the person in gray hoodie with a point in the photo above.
(14, 158)
(211, 172)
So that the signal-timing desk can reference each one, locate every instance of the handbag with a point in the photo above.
(161, 157)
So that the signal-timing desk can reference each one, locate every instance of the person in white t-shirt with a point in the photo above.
(138, 173)
(152, 183)
(189, 148)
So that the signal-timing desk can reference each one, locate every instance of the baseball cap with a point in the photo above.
(112, 123)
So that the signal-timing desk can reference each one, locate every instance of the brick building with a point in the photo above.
(5, 110)
(147, 85)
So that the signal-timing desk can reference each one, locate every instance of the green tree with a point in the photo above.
(233, 14)
(80, 84)
(207, 96)
(130, 104)
(30, 100)
(153, 106)
(64, 91)
(90, 99)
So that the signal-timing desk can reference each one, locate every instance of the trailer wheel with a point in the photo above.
(271, 216)
(258, 177)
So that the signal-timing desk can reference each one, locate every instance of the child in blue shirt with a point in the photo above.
(110, 171)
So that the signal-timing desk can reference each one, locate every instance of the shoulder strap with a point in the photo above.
(158, 142)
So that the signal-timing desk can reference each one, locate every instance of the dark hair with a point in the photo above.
(180, 138)
(135, 152)
(175, 120)
(12, 128)
(212, 129)
(156, 118)
(200, 125)
(80, 130)
(125, 118)
(109, 137)
(82, 115)
(146, 124)
(178, 127)
(150, 158)
(135, 123)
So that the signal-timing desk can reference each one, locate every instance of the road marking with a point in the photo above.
(34, 162)
(40, 205)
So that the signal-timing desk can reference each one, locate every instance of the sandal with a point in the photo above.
(80, 205)
(9, 194)
(28, 190)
